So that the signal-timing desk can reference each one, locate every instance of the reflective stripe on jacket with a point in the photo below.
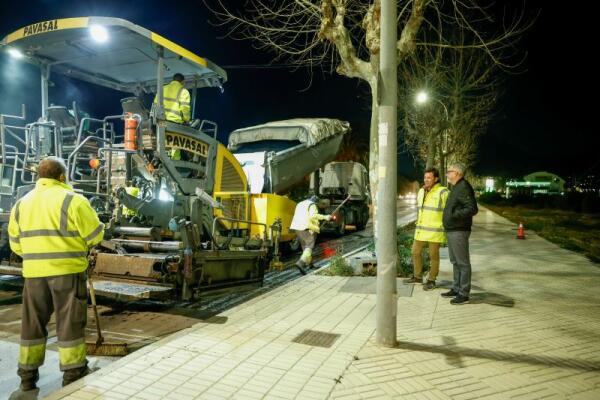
(51, 228)
(430, 207)
(306, 216)
(176, 102)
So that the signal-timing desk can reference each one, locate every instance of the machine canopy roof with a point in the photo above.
(125, 60)
(308, 131)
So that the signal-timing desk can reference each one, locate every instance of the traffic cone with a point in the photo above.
(520, 231)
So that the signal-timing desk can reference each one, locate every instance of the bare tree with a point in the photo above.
(464, 83)
(354, 148)
(343, 35)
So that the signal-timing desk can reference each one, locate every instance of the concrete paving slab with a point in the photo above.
(532, 331)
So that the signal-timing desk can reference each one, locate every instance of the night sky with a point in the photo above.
(543, 121)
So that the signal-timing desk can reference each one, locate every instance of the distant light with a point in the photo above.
(422, 97)
(99, 33)
(489, 185)
(15, 53)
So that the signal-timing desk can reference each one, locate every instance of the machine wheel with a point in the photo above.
(363, 218)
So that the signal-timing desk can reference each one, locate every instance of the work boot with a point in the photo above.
(19, 394)
(71, 375)
(300, 265)
(430, 285)
(450, 293)
(413, 280)
(458, 300)
(28, 379)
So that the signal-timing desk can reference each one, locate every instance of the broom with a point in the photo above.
(99, 348)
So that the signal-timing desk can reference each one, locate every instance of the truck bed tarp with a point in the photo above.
(308, 131)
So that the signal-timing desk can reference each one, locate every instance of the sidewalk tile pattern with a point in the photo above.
(532, 331)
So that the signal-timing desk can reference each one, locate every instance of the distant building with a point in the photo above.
(536, 183)
(589, 183)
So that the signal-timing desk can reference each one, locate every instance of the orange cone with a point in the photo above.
(520, 231)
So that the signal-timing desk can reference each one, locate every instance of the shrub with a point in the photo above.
(405, 264)
(340, 267)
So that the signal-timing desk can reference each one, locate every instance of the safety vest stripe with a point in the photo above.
(184, 103)
(426, 228)
(172, 111)
(53, 256)
(169, 99)
(441, 194)
(14, 239)
(94, 233)
(64, 212)
(18, 214)
(48, 232)
(432, 208)
(71, 343)
(72, 357)
(179, 93)
(32, 342)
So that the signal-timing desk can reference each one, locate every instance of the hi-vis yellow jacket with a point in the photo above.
(51, 228)
(176, 101)
(430, 207)
(306, 216)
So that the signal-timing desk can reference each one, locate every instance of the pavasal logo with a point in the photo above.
(40, 27)
(186, 143)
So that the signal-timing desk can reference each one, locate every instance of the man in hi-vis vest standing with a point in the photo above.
(306, 224)
(431, 201)
(52, 228)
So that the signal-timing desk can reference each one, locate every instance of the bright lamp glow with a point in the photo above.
(14, 53)
(422, 97)
(99, 33)
(164, 195)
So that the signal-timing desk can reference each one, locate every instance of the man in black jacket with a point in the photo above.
(461, 206)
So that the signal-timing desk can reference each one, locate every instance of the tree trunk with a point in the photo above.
(374, 150)
(431, 148)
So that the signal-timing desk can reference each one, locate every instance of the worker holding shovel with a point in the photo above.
(306, 224)
(52, 229)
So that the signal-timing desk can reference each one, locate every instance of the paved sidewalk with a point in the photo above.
(532, 331)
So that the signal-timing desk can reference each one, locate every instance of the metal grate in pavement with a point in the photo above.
(316, 338)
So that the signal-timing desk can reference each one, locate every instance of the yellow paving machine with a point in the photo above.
(175, 225)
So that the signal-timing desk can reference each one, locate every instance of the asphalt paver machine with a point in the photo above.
(175, 225)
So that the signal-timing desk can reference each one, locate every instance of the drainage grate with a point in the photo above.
(316, 338)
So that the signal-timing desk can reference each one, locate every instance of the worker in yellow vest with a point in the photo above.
(176, 100)
(52, 229)
(177, 106)
(306, 224)
(429, 230)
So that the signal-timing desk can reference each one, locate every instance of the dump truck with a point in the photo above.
(175, 226)
(343, 191)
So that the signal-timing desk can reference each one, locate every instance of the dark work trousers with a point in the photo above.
(458, 250)
(307, 239)
(66, 295)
